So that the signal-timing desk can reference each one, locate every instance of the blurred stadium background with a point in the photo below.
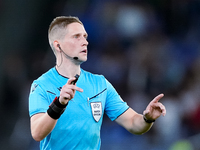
(143, 47)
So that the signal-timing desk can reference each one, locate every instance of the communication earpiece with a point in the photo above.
(58, 45)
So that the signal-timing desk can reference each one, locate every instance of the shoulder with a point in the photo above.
(45, 82)
(93, 77)
(45, 78)
(47, 75)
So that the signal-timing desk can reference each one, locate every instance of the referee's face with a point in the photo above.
(75, 41)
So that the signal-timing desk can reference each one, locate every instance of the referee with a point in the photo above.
(67, 103)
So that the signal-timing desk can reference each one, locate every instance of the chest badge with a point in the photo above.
(96, 110)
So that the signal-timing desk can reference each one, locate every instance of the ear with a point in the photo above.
(57, 46)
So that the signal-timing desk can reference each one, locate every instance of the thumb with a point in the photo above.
(70, 80)
(145, 112)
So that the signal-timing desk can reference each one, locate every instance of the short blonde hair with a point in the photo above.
(57, 28)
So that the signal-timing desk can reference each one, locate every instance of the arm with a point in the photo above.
(135, 123)
(42, 123)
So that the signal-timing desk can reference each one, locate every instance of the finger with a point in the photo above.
(67, 97)
(78, 89)
(163, 110)
(157, 98)
(70, 80)
(67, 93)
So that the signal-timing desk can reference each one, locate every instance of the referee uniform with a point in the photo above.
(79, 126)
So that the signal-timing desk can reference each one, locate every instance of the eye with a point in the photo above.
(86, 36)
(76, 36)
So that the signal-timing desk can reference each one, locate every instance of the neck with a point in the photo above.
(67, 66)
(68, 71)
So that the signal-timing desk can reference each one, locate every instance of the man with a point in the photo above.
(68, 115)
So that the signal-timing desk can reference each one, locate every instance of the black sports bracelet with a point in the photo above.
(148, 121)
(56, 109)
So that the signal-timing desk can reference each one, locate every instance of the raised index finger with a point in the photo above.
(157, 98)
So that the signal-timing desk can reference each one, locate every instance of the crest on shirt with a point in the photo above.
(96, 110)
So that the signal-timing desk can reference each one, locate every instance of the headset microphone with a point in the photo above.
(75, 58)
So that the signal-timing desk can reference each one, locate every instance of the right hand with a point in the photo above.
(68, 91)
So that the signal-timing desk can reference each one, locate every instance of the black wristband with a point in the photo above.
(148, 121)
(56, 109)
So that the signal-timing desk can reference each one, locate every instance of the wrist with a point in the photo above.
(56, 109)
(59, 104)
(147, 120)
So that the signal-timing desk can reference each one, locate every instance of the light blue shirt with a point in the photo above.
(79, 126)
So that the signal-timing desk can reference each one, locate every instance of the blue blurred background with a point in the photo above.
(143, 47)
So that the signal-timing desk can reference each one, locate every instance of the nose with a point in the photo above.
(85, 42)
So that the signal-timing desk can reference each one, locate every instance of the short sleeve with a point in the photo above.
(114, 106)
(38, 102)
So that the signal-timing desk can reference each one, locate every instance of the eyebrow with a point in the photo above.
(85, 34)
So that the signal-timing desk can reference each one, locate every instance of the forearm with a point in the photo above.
(139, 125)
(133, 122)
(41, 125)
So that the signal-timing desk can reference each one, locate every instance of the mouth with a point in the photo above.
(84, 51)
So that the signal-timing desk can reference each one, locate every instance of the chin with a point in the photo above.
(82, 60)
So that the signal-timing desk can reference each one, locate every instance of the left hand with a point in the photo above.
(155, 109)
